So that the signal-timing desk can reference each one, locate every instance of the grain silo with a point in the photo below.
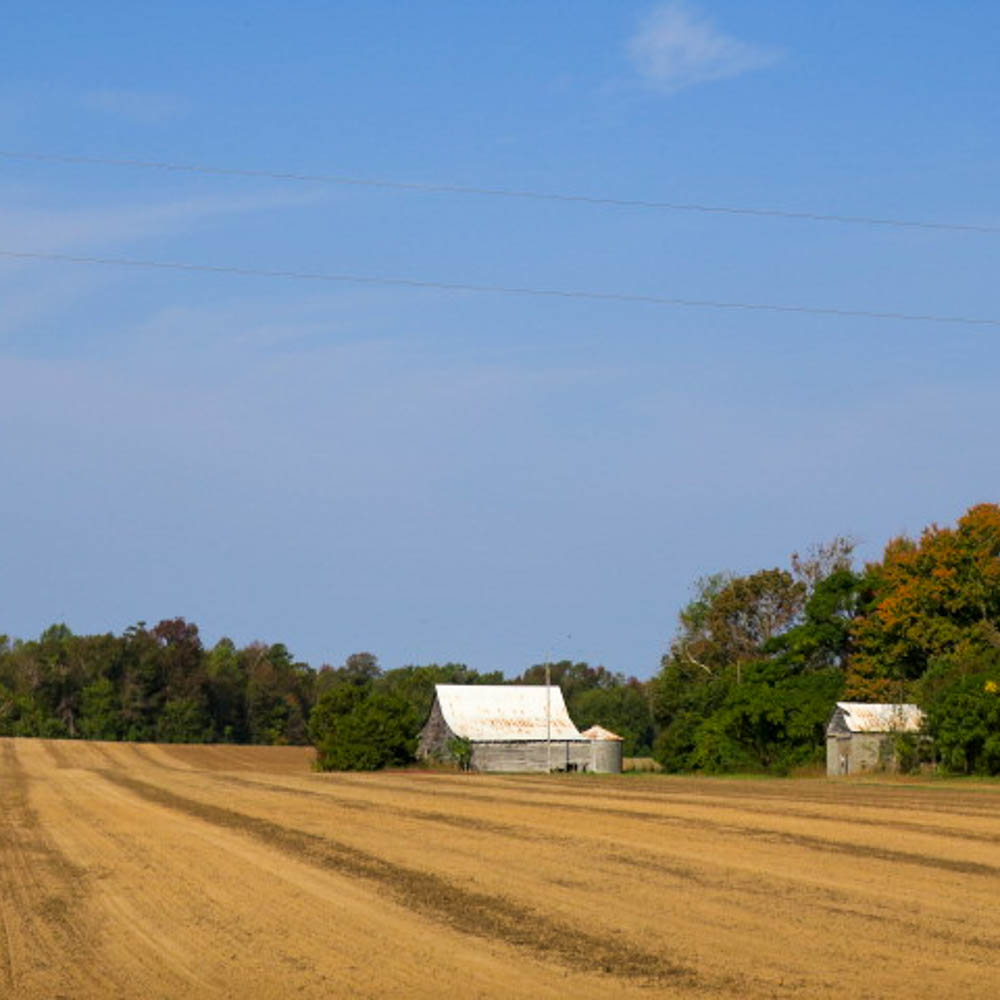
(605, 750)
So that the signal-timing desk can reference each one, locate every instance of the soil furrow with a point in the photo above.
(802, 895)
(711, 793)
(236, 874)
(476, 913)
(781, 810)
(399, 812)
(760, 834)
(6, 960)
(727, 882)
(43, 889)
(60, 759)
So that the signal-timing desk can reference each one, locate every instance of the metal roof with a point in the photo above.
(600, 733)
(865, 717)
(504, 712)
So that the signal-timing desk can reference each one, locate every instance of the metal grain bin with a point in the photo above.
(605, 750)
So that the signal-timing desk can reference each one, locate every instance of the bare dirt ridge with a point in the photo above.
(153, 871)
(42, 915)
(478, 913)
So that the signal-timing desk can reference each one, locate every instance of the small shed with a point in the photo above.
(605, 750)
(507, 727)
(860, 735)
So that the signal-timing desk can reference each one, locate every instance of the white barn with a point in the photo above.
(508, 727)
(859, 735)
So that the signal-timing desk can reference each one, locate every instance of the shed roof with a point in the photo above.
(504, 712)
(600, 733)
(867, 717)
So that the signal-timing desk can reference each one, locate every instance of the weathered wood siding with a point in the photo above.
(531, 755)
(855, 753)
(434, 736)
(837, 749)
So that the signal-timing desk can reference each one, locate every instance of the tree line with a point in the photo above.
(152, 684)
(160, 684)
(747, 684)
(758, 661)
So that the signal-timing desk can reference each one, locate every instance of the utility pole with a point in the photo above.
(548, 718)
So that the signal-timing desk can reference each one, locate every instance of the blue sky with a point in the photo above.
(435, 475)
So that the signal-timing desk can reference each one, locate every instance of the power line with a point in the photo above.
(492, 192)
(455, 286)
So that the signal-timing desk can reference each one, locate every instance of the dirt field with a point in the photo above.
(149, 871)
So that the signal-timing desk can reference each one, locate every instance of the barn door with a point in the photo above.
(844, 754)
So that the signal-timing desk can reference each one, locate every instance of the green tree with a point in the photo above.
(361, 668)
(184, 720)
(460, 751)
(823, 638)
(100, 717)
(154, 683)
(774, 720)
(731, 618)
(366, 718)
(750, 611)
(571, 678)
(279, 695)
(142, 687)
(415, 685)
(625, 709)
(961, 698)
(755, 667)
(21, 715)
(355, 728)
(226, 685)
(62, 678)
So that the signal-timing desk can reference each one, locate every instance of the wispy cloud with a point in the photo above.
(677, 47)
(31, 292)
(137, 106)
(51, 228)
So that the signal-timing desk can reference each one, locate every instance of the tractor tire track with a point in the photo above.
(759, 834)
(459, 789)
(685, 872)
(45, 893)
(726, 882)
(470, 912)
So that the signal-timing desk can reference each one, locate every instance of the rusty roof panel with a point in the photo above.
(504, 712)
(600, 733)
(869, 717)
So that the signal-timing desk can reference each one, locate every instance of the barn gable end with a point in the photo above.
(435, 736)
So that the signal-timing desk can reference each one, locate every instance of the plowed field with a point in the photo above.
(146, 871)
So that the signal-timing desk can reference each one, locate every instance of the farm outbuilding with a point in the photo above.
(507, 727)
(860, 736)
(605, 750)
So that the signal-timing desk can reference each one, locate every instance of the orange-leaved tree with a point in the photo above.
(925, 599)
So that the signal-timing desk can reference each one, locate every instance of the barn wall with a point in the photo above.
(531, 755)
(871, 752)
(434, 737)
(838, 754)
(859, 752)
